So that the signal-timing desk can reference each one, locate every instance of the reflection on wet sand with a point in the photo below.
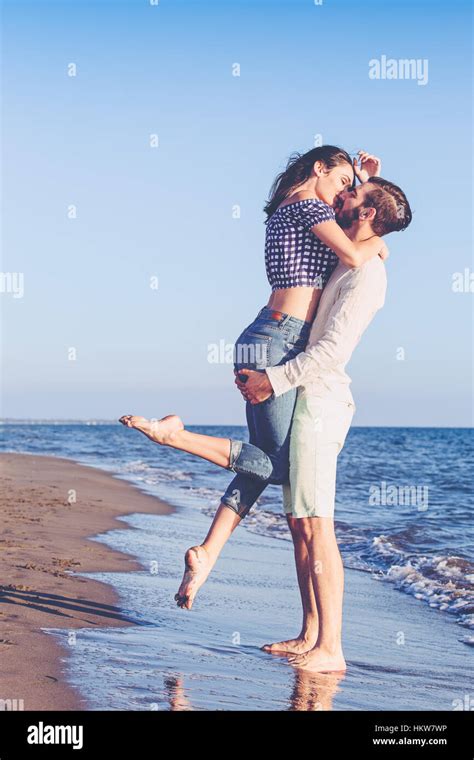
(311, 692)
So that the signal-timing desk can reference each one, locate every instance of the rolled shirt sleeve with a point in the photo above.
(348, 318)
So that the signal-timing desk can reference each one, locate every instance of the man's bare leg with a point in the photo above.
(306, 639)
(327, 573)
(199, 560)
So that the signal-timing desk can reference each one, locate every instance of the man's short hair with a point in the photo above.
(391, 204)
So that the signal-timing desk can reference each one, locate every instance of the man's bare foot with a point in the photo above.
(320, 660)
(158, 431)
(197, 566)
(300, 645)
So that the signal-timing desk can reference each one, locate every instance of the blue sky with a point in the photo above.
(167, 211)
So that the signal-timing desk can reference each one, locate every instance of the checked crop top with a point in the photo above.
(295, 256)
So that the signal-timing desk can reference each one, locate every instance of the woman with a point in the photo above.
(303, 244)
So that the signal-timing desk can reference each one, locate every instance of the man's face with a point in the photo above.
(348, 203)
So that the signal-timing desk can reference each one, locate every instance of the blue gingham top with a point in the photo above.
(295, 256)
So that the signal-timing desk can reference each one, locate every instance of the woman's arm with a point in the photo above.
(350, 253)
(369, 166)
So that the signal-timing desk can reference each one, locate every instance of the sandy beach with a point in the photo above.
(74, 565)
(45, 534)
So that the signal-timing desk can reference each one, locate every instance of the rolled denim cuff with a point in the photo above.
(247, 459)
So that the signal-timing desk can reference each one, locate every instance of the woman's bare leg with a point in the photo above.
(199, 560)
(170, 431)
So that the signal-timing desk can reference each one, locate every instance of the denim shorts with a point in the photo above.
(273, 338)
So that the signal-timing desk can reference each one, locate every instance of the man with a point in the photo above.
(322, 418)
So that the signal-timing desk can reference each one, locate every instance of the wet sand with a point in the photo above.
(401, 655)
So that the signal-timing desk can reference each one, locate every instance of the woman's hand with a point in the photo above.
(368, 167)
(257, 387)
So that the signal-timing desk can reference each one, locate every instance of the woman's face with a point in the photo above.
(333, 181)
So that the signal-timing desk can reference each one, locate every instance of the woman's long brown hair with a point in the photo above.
(298, 169)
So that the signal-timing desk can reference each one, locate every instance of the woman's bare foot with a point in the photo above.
(158, 431)
(320, 660)
(300, 645)
(198, 565)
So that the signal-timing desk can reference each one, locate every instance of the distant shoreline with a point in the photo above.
(92, 422)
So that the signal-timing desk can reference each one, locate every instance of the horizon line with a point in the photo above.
(105, 421)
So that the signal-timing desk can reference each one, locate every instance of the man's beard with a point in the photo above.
(346, 219)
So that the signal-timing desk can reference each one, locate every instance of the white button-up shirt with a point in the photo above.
(348, 303)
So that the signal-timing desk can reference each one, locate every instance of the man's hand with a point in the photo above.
(257, 387)
(370, 166)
